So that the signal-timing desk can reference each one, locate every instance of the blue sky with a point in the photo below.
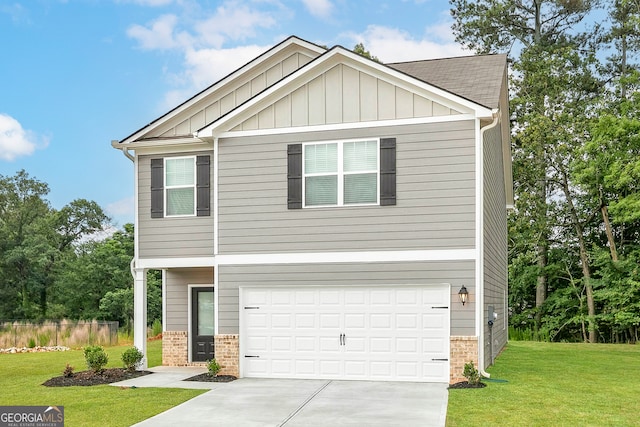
(76, 74)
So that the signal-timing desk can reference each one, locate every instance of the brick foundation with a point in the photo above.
(227, 350)
(175, 349)
(463, 350)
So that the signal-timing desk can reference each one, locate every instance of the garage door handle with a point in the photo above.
(250, 356)
(439, 360)
(445, 307)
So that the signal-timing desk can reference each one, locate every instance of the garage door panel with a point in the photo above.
(390, 333)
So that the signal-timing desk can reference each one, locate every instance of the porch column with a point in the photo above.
(140, 313)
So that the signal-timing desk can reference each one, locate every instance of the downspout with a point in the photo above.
(480, 311)
(116, 144)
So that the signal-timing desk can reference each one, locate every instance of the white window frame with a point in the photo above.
(173, 187)
(341, 173)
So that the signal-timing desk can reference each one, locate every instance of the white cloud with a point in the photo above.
(122, 207)
(152, 3)
(232, 21)
(319, 8)
(394, 45)
(16, 141)
(160, 35)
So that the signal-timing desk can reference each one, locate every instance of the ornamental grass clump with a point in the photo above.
(96, 358)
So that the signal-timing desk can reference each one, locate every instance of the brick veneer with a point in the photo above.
(227, 350)
(463, 350)
(175, 349)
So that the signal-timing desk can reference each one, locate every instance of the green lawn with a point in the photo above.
(554, 384)
(21, 376)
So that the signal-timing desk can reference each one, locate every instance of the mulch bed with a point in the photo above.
(88, 378)
(209, 379)
(465, 384)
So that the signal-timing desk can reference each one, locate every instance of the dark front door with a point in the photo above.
(202, 324)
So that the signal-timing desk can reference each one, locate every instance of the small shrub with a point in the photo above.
(68, 371)
(131, 358)
(32, 343)
(96, 358)
(213, 367)
(471, 374)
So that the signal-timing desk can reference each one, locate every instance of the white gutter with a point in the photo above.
(123, 148)
(480, 324)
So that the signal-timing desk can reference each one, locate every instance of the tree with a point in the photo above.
(362, 51)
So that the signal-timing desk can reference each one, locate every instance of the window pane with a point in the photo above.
(205, 313)
(180, 201)
(321, 158)
(180, 172)
(360, 156)
(361, 188)
(321, 190)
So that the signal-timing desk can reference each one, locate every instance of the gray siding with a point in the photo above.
(495, 243)
(456, 273)
(435, 196)
(177, 294)
(170, 237)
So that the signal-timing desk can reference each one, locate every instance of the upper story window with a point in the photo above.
(180, 186)
(341, 173)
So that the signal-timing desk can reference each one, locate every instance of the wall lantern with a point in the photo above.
(463, 294)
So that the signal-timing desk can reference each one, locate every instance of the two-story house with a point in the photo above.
(317, 214)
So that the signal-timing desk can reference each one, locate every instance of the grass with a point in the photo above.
(21, 376)
(554, 384)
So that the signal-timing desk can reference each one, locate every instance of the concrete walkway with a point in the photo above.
(296, 403)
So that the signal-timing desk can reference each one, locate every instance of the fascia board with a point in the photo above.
(322, 64)
(256, 62)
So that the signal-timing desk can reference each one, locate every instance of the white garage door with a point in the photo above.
(390, 333)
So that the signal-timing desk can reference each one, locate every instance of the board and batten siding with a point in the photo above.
(495, 244)
(455, 273)
(435, 207)
(343, 95)
(170, 237)
(233, 94)
(177, 294)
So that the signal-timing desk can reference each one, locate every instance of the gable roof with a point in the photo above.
(476, 78)
(473, 81)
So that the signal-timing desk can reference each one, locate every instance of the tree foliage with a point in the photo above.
(58, 264)
(574, 232)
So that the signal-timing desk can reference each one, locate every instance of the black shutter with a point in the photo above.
(387, 171)
(294, 176)
(157, 188)
(203, 192)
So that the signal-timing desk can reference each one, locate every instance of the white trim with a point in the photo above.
(345, 126)
(189, 315)
(160, 263)
(216, 239)
(168, 151)
(215, 301)
(136, 219)
(348, 257)
(164, 300)
(164, 143)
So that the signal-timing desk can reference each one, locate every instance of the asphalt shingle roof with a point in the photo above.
(476, 78)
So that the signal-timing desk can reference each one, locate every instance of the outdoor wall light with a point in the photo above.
(463, 294)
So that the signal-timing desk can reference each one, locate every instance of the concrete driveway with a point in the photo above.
(296, 403)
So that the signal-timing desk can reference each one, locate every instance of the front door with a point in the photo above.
(202, 324)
